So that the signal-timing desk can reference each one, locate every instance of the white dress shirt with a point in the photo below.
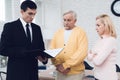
(24, 26)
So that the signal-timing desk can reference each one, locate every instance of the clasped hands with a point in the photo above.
(61, 69)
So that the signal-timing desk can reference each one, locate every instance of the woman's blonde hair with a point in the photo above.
(109, 27)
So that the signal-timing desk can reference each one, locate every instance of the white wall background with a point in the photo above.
(49, 16)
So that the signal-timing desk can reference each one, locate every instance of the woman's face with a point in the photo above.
(100, 27)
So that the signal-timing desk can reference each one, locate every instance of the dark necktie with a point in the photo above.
(28, 34)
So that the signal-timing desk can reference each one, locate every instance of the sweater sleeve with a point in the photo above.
(104, 52)
(90, 56)
(53, 46)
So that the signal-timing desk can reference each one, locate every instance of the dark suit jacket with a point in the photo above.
(22, 65)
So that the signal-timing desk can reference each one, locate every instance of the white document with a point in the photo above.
(53, 52)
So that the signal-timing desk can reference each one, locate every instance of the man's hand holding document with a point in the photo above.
(51, 53)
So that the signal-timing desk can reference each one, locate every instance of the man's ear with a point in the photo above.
(75, 20)
(21, 11)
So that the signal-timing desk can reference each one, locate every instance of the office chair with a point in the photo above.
(87, 66)
(88, 78)
(42, 67)
(2, 75)
(117, 68)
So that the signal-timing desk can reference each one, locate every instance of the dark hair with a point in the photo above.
(28, 4)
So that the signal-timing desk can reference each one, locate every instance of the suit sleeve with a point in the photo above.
(7, 47)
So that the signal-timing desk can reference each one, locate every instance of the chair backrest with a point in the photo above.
(87, 66)
(89, 77)
(2, 75)
(117, 68)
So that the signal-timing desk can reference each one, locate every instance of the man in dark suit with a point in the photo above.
(23, 45)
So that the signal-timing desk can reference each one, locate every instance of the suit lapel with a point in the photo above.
(21, 29)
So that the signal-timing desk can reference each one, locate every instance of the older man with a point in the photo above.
(69, 63)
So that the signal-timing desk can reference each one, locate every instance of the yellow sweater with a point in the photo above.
(74, 51)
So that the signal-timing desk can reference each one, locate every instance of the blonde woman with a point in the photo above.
(103, 54)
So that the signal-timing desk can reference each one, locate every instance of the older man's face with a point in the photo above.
(69, 21)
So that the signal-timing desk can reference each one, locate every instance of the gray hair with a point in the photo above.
(71, 12)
